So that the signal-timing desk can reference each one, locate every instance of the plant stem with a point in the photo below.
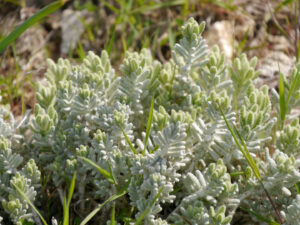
(272, 203)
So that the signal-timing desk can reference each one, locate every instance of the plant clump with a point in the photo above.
(160, 141)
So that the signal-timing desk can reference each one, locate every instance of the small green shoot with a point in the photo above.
(109, 45)
(29, 202)
(148, 125)
(129, 142)
(241, 46)
(282, 103)
(295, 83)
(106, 174)
(237, 174)
(110, 6)
(80, 51)
(282, 4)
(176, 190)
(140, 219)
(112, 174)
(297, 186)
(68, 202)
(113, 212)
(154, 149)
(112, 198)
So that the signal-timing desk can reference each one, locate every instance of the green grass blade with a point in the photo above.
(113, 215)
(29, 22)
(282, 103)
(102, 171)
(112, 198)
(298, 51)
(108, 47)
(237, 174)
(295, 83)
(129, 142)
(110, 6)
(112, 174)
(140, 219)
(68, 202)
(66, 211)
(282, 4)
(242, 147)
(247, 155)
(29, 202)
(149, 125)
(71, 189)
(297, 186)
(154, 149)
(176, 190)
(80, 51)
(242, 43)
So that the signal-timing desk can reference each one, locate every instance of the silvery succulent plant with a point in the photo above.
(161, 133)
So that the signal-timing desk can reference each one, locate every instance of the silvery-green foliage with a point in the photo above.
(278, 166)
(53, 221)
(158, 169)
(27, 179)
(204, 192)
(139, 79)
(197, 213)
(57, 72)
(289, 139)
(83, 113)
(242, 73)
(294, 88)
(279, 173)
(191, 49)
(211, 141)
(255, 122)
(6, 128)
(213, 74)
(16, 206)
(80, 92)
(189, 170)
(188, 56)
(9, 161)
(291, 93)
(292, 214)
